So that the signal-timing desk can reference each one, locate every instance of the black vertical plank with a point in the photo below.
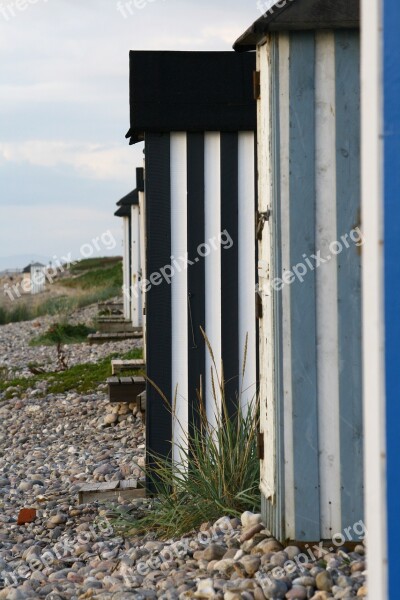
(196, 273)
(230, 269)
(158, 297)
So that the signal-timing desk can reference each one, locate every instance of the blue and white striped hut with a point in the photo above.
(196, 113)
(308, 89)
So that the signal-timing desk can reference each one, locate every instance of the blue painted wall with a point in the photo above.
(391, 76)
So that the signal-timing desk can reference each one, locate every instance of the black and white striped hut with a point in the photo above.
(196, 113)
(129, 211)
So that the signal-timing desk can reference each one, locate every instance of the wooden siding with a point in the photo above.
(208, 181)
(310, 356)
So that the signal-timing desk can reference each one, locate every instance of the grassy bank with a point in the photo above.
(89, 281)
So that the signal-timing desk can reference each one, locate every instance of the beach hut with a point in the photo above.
(129, 210)
(34, 278)
(124, 212)
(381, 290)
(307, 84)
(196, 113)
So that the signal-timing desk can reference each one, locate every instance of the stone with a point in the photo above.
(250, 532)
(267, 546)
(321, 596)
(292, 552)
(58, 519)
(213, 552)
(275, 589)
(363, 591)
(205, 589)
(298, 592)
(258, 594)
(224, 566)
(110, 419)
(249, 519)
(324, 581)
(251, 564)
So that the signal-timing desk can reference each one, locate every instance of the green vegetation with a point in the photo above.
(106, 276)
(82, 378)
(95, 263)
(92, 280)
(63, 333)
(218, 473)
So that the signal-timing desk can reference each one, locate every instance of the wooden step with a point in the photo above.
(111, 308)
(125, 389)
(101, 338)
(117, 366)
(116, 325)
(111, 490)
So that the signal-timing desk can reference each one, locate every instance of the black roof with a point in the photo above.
(123, 211)
(33, 264)
(301, 15)
(190, 91)
(129, 199)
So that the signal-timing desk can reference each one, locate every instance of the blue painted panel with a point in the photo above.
(303, 295)
(347, 54)
(391, 77)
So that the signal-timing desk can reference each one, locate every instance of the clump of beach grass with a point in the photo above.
(217, 472)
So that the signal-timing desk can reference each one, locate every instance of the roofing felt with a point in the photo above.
(129, 199)
(123, 211)
(190, 91)
(289, 15)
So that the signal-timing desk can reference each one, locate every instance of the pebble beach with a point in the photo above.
(50, 444)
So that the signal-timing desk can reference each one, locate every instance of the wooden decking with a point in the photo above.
(111, 490)
(118, 366)
(125, 389)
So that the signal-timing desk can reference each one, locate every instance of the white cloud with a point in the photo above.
(64, 101)
(102, 162)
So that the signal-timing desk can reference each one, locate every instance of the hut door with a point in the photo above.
(268, 425)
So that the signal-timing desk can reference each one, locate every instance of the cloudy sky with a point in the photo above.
(64, 109)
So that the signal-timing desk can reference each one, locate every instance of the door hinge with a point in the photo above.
(260, 445)
(259, 306)
(262, 218)
(256, 85)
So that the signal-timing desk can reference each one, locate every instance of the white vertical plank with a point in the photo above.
(143, 271)
(247, 268)
(136, 298)
(179, 291)
(326, 286)
(373, 325)
(126, 270)
(212, 209)
(267, 396)
(284, 120)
